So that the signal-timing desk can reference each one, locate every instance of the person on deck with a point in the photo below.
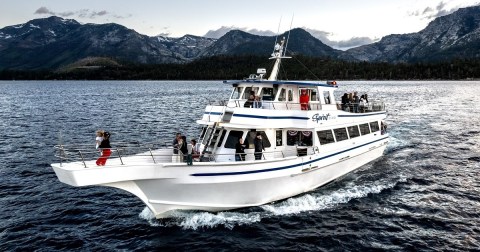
(105, 149)
(304, 99)
(240, 150)
(98, 138)
(258, 143)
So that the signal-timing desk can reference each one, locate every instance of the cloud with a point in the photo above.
(432, 12)
(83, 13)
(43, 10)
(342, 44)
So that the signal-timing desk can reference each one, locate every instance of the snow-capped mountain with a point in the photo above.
(456, 35)
(53, 42)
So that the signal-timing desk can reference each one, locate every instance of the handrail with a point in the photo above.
(373, 106)
(67, 153)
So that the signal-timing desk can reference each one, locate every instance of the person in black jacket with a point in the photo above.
(105, 149)
(240, 150)
(184, 148)
(258, 142)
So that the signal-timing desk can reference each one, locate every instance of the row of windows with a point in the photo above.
(326, 136)
(299, 138)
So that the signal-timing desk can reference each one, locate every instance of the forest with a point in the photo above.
(239, 67)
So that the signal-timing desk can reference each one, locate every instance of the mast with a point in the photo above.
(277, 55)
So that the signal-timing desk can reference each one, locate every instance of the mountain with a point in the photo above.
(456, 35)
(237, 42)
(53, 42)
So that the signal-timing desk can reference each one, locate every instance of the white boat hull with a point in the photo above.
(227, 185)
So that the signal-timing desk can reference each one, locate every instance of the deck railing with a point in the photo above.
(84, 153)
(373, 106)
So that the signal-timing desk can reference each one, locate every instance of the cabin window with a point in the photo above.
(220, 141)
(249, 90)
(374, 126)
(299, 138)
(279, 137)
(364, 129)
(340, 134)
(290, 95)
(267, 94)
(232, 138)
(353, 131)
(237, 91)
(313, 95)
(326, 97)
(252, 135)
(325, 137)
(282, 95)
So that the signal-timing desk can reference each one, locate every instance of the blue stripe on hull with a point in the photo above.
(271, 117)
(283, 167)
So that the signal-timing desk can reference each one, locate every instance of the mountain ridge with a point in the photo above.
(53, 42)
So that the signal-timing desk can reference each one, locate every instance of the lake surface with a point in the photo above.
(423, 194)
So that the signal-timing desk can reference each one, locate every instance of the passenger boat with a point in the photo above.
(307, 144)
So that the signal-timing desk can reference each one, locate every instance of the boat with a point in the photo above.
(307, 144)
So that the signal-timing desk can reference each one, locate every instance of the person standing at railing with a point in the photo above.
(345, 102)
(183, 148)
(362, 104)
(356, 101)
(195, 150)
(98, 138)
(304, 99)
(258, 143)
(105, 149)
(240, 150)
(176, 147)
(257, 103)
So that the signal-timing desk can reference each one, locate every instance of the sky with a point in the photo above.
(339, 21)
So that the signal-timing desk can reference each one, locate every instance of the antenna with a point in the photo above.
(288, 37)
(276, 37)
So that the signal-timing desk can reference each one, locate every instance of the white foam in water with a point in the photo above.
(312, 202)
(195, 220)
(308, 202)
(395, 143)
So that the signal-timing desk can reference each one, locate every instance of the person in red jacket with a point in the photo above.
(304, 99)
(105, 148)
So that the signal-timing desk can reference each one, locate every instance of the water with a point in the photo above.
(424, 194)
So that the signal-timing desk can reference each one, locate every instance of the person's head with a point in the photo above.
(304, 91)
(106, 135)
(259, 135)
(178, 135)
(99, 133)
(193, 142)
(240, 140)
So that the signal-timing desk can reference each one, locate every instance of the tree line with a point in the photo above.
(239, 67)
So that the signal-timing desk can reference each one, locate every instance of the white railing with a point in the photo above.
(84, 153)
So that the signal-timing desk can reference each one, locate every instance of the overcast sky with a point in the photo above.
(339, 20)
